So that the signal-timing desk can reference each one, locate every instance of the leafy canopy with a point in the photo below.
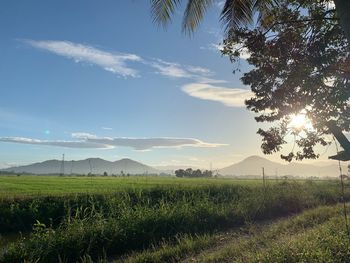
(300, 60)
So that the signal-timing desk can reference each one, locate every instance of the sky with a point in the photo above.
(102, 80)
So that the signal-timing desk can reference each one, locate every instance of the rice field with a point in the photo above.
(165, 219)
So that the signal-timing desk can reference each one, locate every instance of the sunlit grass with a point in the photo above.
(12, 186)
(146, 216)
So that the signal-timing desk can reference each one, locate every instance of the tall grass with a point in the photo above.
(116, 224)
(270, 241)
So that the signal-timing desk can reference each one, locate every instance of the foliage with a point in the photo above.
(261, 242)
(193, 173)
(234, 13)
(300, 65)
(134, 219)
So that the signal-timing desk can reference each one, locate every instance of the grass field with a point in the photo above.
(163, 219)
(14, 186)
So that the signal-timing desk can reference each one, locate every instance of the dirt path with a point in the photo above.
(242, 245)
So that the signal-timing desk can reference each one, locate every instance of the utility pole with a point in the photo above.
(71, 167)
(263, 176)
(62, 166)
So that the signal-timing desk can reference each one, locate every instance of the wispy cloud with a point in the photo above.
(87, 140)
(149, 143)
(117, 62)
(83, 135)
(168, 69)
(199, 70)
(67, 144)
(144, 143)
(107, 128)
(232, 97)
(113, 62)
(176, 70)
(213, 47)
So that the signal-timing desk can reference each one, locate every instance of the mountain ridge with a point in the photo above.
(85, 166)
(250, 166)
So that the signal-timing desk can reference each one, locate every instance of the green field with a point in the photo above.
(15, 186)
(164, 219)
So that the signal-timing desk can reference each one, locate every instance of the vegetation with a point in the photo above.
(299, 51)
(193, 173)
(114, 224)
(300, 66)
(316, 235)
(234, 13)
(12, 187)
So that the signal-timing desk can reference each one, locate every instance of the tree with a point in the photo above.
(301, 66)
(330, 112)
(235, 13)
(193, 173)
(196, 173)
(343, 10)
(180, 173)
(207, 173)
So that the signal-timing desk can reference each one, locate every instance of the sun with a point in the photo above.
(300, 121)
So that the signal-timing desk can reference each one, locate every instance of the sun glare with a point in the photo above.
(300, 121)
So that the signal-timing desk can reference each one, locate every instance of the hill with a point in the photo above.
(252, 166)
(93, 165)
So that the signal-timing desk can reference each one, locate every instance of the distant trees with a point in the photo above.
(193, 173)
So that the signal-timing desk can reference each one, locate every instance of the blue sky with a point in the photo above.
(102, 80)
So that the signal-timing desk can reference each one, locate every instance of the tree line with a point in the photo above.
(193, 173)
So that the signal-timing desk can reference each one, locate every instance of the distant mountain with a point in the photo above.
(253, 166)
(94, 165)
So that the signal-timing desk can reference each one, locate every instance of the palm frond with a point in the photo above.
(237, 13)
(195, 10)
(162, 10)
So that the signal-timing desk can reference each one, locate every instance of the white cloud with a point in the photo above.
(199, 70)
(148, 143)
(232, 97)
(66, 144)
(82, 135)
(87, 140)
(170, 69)
(107, 128)
(113, 62)
(118, 62)
(213, 47)
(176, 70)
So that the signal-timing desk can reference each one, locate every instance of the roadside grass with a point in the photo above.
(316, 235)
(96, 226)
